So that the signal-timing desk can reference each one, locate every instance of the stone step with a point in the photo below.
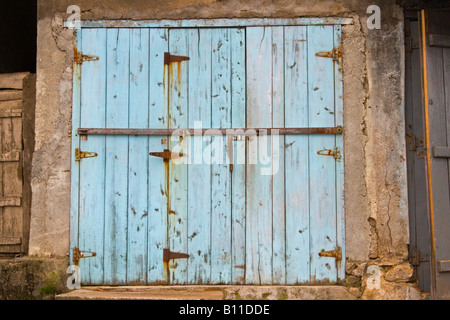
(208, 293)
(144, 293)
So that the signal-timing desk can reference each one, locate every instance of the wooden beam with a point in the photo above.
(10, 201)
(10, 241)
(202, 23)
(439, 40)
(210, 132)
(10, 156)
(444, 265)
(12, 80)
(11, 104)
(441, 152)
(7, 95)
(12, 113)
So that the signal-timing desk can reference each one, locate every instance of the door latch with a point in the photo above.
(336, 153)
(337, 254)
(168, 58)
(168, 255)
(83, 154)
(79, 254)
(167, 155)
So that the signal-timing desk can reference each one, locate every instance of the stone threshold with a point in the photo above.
(202, 292)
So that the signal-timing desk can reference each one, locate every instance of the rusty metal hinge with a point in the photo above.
(414, 142)
(168, 58)
(335, 54)
(83, 154)
(167, 155)
(422, 154)
(79, 58)
(168, 255)
(332, 254)
(336, 153)
(414, 257)
(79, 254)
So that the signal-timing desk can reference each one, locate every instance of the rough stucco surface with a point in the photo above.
(51, 165)
(375, 160)
(385, 147)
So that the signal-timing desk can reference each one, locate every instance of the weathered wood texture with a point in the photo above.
(438, 85)
(240, 221)
(11, 164)
(420, 249)
(29, 106)
(12, 80)
(7, 95)
(214, 23)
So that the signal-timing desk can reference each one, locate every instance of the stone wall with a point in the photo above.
(32, 278)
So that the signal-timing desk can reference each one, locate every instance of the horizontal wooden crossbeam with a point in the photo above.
(211, 132)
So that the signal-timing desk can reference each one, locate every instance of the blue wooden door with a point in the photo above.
(276, 220)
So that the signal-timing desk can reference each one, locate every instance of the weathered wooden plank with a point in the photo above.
(8, 95)
(116, 165)
(444, 265)
(178, 118)
(340, 169)
(322, 182)
(296, 157)
(238, 104)
(92, 170)
(158, 170)
(439, 40)
(10, 156)
(437, 66)
(199, 23)
(138, 158)
(10, 201)
(259, 184)
(417, 190)
(278, 145)
(446, 62)
(199, 171)
(75, 165)
(220, 169)
(10, 241)
(12, 171)
(12, 216)
(12, 80)
(441, 152)
(12, 105)
(208, 132)
(12, 141)
(11, 113)
(1, 176)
